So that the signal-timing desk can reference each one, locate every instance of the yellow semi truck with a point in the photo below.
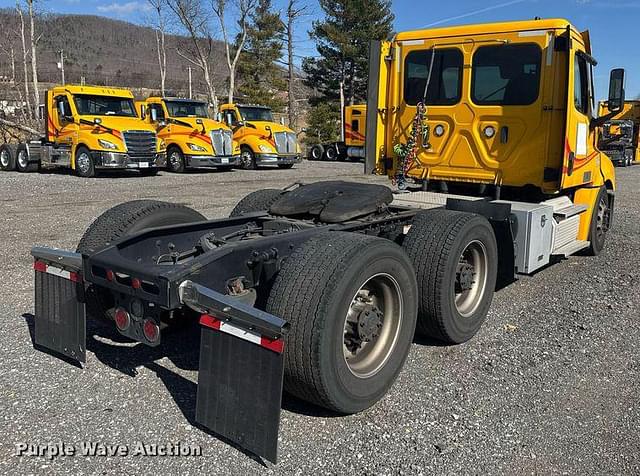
(92, 128)
(353, 138)
(262, 140)
(318, 289)
(620, 135)
(192, 138)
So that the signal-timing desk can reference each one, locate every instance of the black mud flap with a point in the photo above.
(60, 320)
(241, 370)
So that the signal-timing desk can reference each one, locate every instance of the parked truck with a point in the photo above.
(89, 129)
(619, 135)
(262, 140)
(192, 138)
(318, 289)
(353, 138)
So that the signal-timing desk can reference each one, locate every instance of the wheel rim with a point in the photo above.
(470, 279)
(247, 159)
(4, 158)
(23, 160)
(83, 162)
(602, 219)
(315, 153)
(372, 325)
(175, 161)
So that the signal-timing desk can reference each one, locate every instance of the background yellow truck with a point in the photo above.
(91, 128)
(353, 138)
(619, 135)
(262, 140)
(192, 138)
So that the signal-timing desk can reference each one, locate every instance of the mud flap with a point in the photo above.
(241, 370)
(60, 320)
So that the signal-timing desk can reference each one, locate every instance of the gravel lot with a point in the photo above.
(549, 385)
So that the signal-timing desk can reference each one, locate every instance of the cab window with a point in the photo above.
(506, 75)
(355, 125)
(581, 85)
(159, 111)
(446, 77)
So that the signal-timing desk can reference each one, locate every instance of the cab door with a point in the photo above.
(62, 128)
(581, 158)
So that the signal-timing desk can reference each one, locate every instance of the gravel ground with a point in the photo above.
(549, 385)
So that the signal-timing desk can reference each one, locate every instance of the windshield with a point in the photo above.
(256, 114)
(104, 105)
(186, 109)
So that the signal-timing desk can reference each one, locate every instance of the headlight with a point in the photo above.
(106, 144)
(265, 148)
(197, 148)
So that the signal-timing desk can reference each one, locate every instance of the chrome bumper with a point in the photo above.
(266, 159)
(212, 160)
(119, 160)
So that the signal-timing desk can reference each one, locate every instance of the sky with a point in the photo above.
(613, 23)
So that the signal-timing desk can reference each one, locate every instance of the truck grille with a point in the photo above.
(141, 145)
(222, 141)
(286, 142)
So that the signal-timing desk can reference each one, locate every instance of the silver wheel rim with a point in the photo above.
(83, 162)
(4, 158)
(470, 280)
(372, 325)
(602, 219)
(246, 158)
(23, 159)
(175, 160)
(315, 153)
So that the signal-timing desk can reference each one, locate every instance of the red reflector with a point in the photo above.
(277, 345)
(110, 275)
(40, 266)
(75, 277)
(136, 283)
(122, 319)
(210, 321)
(151, 330)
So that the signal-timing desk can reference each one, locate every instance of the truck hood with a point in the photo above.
(275, 126)
(122, 124)
(209, 124)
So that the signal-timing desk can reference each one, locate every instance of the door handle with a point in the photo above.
(504, 134)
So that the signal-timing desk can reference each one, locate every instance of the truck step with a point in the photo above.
(571, 248)
(570, 211)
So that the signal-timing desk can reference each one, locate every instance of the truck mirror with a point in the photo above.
(282, 121)
(143, 112)
(616, 90)
(154, 114)
(219, 116)
(61, 109)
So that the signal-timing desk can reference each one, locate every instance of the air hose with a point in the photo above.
(407, 153)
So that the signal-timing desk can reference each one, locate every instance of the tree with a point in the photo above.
(339, 73)
(160, 27)
(194, 21)
(244, 9)
(257, 67)
(25, 57)
(294, 12)
(323, 124)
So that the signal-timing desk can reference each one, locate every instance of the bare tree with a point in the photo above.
(34, 59)
(160, 28)
(244, 8)
(195, 23)
(25, 57)
(294, 12)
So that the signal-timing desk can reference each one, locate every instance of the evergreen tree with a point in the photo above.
(342, 40)
(261, 79)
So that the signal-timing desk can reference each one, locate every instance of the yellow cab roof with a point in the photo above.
(95, 90)
(486, 28)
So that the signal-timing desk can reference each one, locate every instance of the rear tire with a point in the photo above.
(351, 302)
(122, 220)
(455, 256)
(331, 153)
(22, 160)
(600, 222)
(7, 158)
(316, 152)
(257, 201)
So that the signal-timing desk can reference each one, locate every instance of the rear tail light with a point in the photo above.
(151, 330)
(136, 283)
(110, 275)
(123, 321)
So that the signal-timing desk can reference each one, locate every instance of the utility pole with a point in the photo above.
(61, 65)
(190, 90)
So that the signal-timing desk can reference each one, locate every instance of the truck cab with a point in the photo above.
(354, 130)
(93, 128)
(193, 139)
(262, 140)
(505, 110)
(619, 135)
